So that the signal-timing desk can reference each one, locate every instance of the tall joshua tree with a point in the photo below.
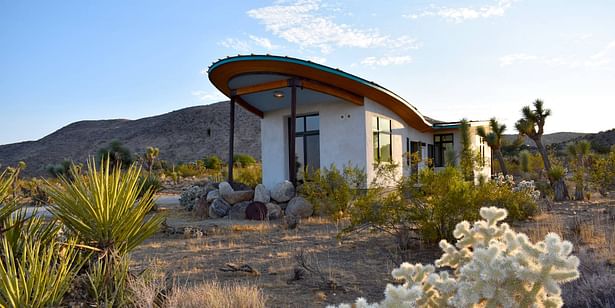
(494, 140)
(579, 155)
(532, 124)
(151, 153)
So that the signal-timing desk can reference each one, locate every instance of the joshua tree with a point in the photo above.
(579, 154)
(150, 156)
(467, 159)
(532, 124)
(494, 140)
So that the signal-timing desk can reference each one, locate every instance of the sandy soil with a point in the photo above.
(352, 267)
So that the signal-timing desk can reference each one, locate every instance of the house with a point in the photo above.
(313, 116)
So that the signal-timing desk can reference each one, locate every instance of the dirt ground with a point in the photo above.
(342, 269)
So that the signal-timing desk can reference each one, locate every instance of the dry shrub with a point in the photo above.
(595, 287)
(214, 295)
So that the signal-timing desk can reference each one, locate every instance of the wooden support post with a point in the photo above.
(231, 139)
(292, 169)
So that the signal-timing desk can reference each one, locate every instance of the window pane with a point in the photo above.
(312, 123)
(385, 147)
(437, 139)
(312, 160)
(447, 138)
(299, 125)
(300, 159)
(375, 145)
(374, 123)
(385, 125)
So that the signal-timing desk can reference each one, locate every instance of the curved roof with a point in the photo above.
(223, 72)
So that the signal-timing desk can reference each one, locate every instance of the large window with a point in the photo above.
(442, 144)
(307, 144)
(481, 148)
(381, 129)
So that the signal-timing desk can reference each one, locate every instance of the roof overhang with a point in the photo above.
(251, 78)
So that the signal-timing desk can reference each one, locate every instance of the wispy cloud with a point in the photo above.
(305, 24)
(210, 97)
(604, 58)
(386, 60)
(252, 44)
(461, 14)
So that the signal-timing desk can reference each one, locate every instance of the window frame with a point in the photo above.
(376, 133)
(437, 144)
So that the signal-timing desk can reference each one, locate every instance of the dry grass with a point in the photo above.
(214, 295)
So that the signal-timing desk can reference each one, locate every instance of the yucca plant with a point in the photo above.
(37, 274)
(7, 204)
(106, 208)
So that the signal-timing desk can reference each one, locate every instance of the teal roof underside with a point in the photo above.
(309, 64)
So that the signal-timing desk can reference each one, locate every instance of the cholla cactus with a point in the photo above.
(529, 188)
(492, 266)
(502, 180)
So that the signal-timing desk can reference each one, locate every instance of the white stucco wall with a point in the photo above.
(346, 137)
(400, 131)
(342, 139)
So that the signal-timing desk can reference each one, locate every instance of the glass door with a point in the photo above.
(307, 144)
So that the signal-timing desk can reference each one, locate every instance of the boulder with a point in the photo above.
(262, 194)
(282, 192)
(256, 211)
(219, 208)
(274, 211)
(213, 195)
(201, 210)
(225, 188)
(238, 211)
(299, 207)
(238, 196)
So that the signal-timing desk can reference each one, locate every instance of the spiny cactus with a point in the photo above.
(492, 266)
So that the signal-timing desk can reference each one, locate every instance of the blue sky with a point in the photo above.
(64, 61)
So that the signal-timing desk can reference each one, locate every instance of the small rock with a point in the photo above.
(238, 211)
(282, 192)
(274, 211)
(213, 195)
(219, 208)
(256, 211)
(261, 194)
(299, 207)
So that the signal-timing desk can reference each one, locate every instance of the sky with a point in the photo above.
(65, 61)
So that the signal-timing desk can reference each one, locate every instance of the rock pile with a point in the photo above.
(222, 201)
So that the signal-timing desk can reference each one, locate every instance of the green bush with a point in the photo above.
(213, 162)
(333, 191)
(251, 175)
(190, 170)
(243, 160)
(116, 153)
(150, 183)
(520, 205)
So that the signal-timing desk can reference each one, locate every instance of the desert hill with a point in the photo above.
(182, 135)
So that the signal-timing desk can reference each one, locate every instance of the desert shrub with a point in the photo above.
(243, 160)
(602, 172)
(34, 189)
(519, 201)
(214, 295)
(188, 170)
(62, 169)
(489, 266)
(251, 175)
(213, 162)
(557, 175)
(116, 153)
(108, 279)
(441, 200)
(525, 160)
(333, 191)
